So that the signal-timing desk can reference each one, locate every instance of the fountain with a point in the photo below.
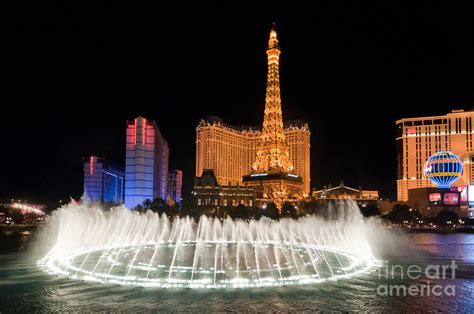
(128, 248)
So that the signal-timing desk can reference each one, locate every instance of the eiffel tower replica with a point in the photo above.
(272, 172)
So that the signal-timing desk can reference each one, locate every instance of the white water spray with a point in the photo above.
(129, 248)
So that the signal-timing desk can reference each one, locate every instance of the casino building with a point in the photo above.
(230, 150)
(419, 138)
(276, 148)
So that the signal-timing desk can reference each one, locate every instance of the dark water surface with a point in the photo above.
(24, 288)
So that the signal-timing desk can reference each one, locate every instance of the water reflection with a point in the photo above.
(24, 288)
(17, 242)
(452, 246)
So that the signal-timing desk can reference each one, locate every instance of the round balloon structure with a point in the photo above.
(443, 168)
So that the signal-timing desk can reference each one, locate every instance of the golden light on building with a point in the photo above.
(272, 153)
(274, 149)
(231, 150)
(272, 173)
(419, 138)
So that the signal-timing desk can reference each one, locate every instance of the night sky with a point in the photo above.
(73, 75)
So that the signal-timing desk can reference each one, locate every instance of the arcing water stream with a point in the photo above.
(129, 248)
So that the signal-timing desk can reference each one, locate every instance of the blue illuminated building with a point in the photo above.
(443, 168)
(146, 163)
(175, 183)
(103, 181)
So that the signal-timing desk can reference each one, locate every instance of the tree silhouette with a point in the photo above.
(446, 216)
(239, 212)
(271, 211)
(402, 213)
(289, 211)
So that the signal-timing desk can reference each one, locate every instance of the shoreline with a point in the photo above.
(466, 230)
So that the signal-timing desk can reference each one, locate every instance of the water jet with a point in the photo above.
(128, 248)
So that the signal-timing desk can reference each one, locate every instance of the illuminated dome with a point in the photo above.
(443, 168)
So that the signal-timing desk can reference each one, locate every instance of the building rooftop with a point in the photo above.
(453, 112)
(105, 162)
(240, 127)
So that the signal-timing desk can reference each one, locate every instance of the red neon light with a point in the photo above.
(411, 130)
(91, 165)
(135, 131)
(435, 197)
(143, 132)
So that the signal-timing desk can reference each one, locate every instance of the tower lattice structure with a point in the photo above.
(272, 172)
(272, 154)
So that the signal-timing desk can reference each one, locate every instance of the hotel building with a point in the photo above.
(231, 150)
(146, 163)
(103, 181)
(273, 159)
(175, 183)
(419, 138)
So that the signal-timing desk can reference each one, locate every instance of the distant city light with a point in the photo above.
(24, 208)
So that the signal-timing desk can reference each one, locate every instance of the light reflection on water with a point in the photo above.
(452, 246)
(24, 288)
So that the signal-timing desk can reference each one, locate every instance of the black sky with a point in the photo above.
(73, 75)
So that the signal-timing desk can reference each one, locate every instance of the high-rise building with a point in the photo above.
(419, 138)
(175, 183)
(146, 165)
(230, 151)
(103, 181)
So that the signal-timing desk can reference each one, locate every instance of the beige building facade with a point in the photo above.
(231, 150)
(419, 138)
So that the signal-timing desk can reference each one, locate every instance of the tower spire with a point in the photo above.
(273, 41)
(272, 154)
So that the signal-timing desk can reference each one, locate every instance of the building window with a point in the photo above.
(250, 203)
(225, 202)
(216, 202)
(199, 202)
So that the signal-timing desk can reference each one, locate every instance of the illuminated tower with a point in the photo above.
(272, 172)
(272, 155)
